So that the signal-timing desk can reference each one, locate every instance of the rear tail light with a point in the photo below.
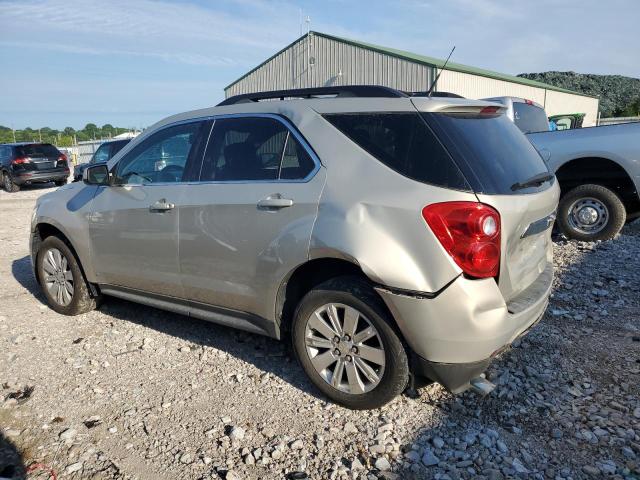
(62, 158)
(20, 160)
(470, 233)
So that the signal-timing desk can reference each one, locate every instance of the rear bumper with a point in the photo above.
(466, 324)
(23, 178)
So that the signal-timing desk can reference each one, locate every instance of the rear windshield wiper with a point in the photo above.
(534, 181)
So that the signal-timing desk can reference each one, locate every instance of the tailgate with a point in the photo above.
(526, 223)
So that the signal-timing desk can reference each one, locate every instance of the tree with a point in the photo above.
(91, 129)
(69, 131)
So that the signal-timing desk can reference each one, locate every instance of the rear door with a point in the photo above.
(248, 221)
(501, 164)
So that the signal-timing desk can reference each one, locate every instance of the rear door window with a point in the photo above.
(404, 143)
(530, 118)
(493, 153)
(254, 148)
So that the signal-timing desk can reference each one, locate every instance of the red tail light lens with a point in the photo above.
(62, 158)
(470, 233)
(20, 160)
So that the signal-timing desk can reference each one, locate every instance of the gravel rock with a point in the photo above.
(383, 464)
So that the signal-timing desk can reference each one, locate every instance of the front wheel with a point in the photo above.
(344, 339)
(61, 279)
(590, 213)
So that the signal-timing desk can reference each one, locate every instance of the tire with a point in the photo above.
(60, 183)
(8, 185)
(610, 213)
(349, 294)
(80, 300)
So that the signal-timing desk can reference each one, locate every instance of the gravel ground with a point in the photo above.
(133, 392)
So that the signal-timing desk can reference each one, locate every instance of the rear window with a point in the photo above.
(493, 154)
(37, 150)
(529, 118)
(404, 143)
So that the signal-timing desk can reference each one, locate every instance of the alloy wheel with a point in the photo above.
(58, 278)
(345, 348)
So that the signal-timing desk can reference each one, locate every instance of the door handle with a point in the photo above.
(274, 202)
(161, 206)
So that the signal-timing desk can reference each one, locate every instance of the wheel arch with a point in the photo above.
(41, 232)
(600, 171)
(304, 278)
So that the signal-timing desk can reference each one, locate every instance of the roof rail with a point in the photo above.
(338, 91)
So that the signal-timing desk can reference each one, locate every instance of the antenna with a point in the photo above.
(435, 82)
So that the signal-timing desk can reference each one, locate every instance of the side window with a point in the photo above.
(101, 155)
(404, 143)
(245, 149)
(296, 162)
(160, 158)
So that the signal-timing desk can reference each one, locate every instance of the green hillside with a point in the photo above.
(619, 96)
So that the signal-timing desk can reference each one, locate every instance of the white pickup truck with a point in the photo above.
(598, 169)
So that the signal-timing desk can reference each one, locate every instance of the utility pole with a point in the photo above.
(14, 134)
(40, 135)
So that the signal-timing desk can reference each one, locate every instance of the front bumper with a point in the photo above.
(456, 333)
(25, 178)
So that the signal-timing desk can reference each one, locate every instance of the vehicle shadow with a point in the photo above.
(11, 462)
(266, 354)
(21, 270)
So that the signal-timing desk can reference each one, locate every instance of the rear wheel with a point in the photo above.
(61, 278)
(60, 183)
(590, 213)
(8, 185)
(344, 340)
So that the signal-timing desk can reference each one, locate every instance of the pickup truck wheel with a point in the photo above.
(61, 279)
(344, 340)
(8, 185)
(591, 212)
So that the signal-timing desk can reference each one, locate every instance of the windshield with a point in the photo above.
(491, 150)
(529, 118)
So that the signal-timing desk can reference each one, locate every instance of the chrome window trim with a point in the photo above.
(288, 125)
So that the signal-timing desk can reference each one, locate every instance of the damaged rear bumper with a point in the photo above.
(455, 334)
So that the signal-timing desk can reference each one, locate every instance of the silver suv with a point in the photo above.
(390, 237)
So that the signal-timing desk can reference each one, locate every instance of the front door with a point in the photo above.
(248, 222)
(133, 225)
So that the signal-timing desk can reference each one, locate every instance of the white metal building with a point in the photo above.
(317, 59)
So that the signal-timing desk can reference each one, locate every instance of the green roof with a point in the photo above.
(421, 59)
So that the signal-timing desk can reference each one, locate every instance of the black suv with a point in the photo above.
(27, 163)
(101, 155)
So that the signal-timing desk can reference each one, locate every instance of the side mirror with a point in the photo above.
(96, 175)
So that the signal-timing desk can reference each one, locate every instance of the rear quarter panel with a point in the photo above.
(372, 216)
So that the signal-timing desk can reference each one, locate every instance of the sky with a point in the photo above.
(132, 62)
